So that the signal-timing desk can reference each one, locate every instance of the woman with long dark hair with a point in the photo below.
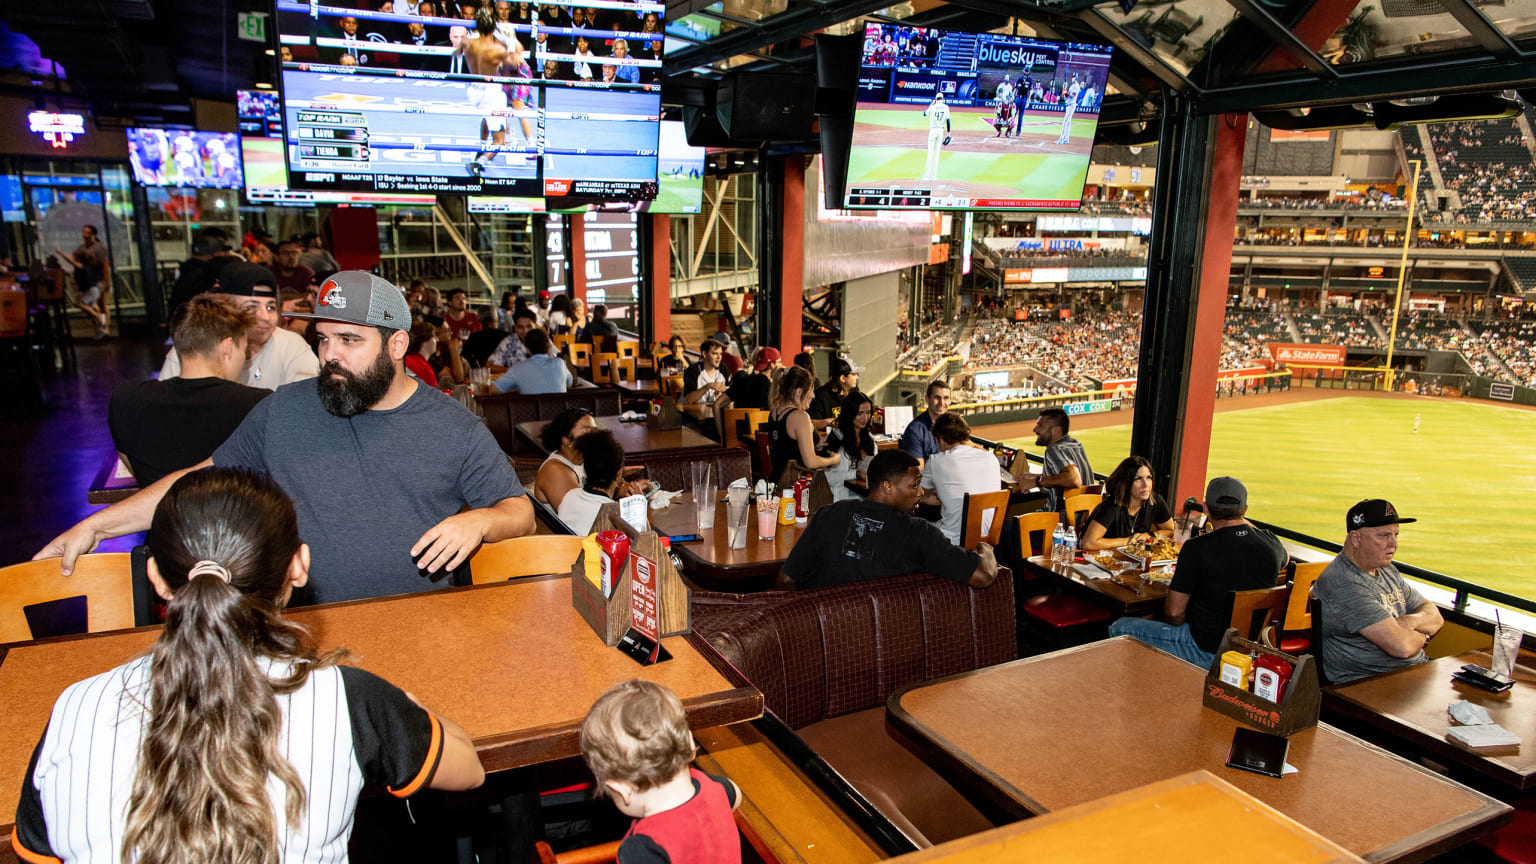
(560, 314)
(233, 741)
(851, 438)
(562, 471)
(1130, 510)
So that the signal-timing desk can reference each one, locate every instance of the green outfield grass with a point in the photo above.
(1468, 476)
(674, 192)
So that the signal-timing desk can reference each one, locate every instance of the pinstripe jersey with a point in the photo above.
(342, 729)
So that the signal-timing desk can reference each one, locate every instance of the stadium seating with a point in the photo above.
(1488, 164)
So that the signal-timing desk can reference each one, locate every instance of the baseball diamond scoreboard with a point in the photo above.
(380, 101)
(958, 121)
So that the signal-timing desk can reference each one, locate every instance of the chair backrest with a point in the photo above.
(672, 385)
(1042, 522)
(973, 516)
(581, 355)
(1078, 507)
(563, 343)
(628, 350)
(734, 417)
(1297, 616)
(1254, 612)
(624, 370)
(534, 555)
(1315, 612)
(98, 596)
(602, 368)
(764, 458)
(1073, 492)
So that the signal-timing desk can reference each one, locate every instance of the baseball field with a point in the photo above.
(891, 149)
(1468, 475)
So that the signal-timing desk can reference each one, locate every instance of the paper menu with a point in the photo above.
(633, 511)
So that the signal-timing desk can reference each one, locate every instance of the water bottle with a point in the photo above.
(1057, 540)
(1069, 546)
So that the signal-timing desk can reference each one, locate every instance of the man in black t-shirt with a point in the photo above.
(1232, 556)
(842, 379)
(877, 537)
(164, 426)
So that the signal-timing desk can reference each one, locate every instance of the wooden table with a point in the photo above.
(113, 483)
(710, 563)
(1040, 734)
(638, 389)
(513, 663)
(1125, 594)
(1198, 818)
(638, 438)
(1409, 706)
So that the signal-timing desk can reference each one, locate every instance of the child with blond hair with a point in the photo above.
(636, 741)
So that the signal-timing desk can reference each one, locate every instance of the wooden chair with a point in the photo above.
(1315, 612)
(973, 512)
(602, 368)
(601, 854)
(627, 350)
(1256, 612)
(624, 370)
(98, 596)
(734, 417)
(563, 343)
(535, 555)
(672, 385)
(1078, 508)
(1296, 627)
(581, 356)
(764, 460)
(1042, 522)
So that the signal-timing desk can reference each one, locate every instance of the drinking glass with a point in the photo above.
(736, 515)
(1506, 648)
(767, 515)
(704, 495)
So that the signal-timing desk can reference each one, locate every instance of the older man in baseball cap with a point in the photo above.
(1373, 620)
(376, 522)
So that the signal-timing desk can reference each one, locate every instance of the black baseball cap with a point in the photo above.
(243, 279)
(1373, 513)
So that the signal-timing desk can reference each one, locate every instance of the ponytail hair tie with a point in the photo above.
(207, 567)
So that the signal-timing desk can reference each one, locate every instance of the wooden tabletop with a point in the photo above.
(638, 389)
(1410, 705)
(114, 482)
(1123, 594)
(513, 663)
(711, 563)
(1048, 732)
(1148, 824)
(638, 438)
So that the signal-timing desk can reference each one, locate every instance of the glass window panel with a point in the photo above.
(1179, 33)
(1393, 28)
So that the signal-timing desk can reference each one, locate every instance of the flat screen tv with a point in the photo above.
(266, 177)
(556, 105)
(182, 157)
(680, 170)
(504, 204)
(973, 121)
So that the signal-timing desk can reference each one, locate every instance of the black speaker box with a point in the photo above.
(703, 127)
(837, 77)
(766, 106)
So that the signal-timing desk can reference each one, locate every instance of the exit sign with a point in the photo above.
(251, 26)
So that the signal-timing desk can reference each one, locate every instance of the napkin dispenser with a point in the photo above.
(609, 616)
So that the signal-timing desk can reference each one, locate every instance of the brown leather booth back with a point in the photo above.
(505, 410)
(825, 653)
(671, 472)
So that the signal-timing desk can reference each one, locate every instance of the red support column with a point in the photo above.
(661, 277)
(791, 259)
(578, 280)
(1210, 305)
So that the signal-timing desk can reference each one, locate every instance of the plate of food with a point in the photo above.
(1107, 562)
(1161, 549)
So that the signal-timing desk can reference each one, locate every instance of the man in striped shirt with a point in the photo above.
(1066, 464)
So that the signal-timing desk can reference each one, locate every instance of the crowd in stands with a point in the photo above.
(1335, 327)
(1488, 164)
(1102, 346)
(1512, 343)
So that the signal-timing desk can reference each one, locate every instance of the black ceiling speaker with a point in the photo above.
(766, 106)
(837, 90)
(702, 126)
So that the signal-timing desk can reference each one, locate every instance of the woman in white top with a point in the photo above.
(850, 437)
(583, 67)
(233, 739)
(563, 471)
(560, 314)
(603, 456)
(958, 469)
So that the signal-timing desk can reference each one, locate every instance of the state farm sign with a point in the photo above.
(1322, 355)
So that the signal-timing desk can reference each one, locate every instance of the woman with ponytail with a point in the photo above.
(233, 741)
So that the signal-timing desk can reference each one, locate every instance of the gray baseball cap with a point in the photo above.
(358, 297)
(1226, 491)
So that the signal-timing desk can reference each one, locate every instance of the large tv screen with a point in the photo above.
(680, 171)
(973, 121)
(181, 157)
(563, 104)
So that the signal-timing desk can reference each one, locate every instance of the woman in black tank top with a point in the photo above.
(790, 434)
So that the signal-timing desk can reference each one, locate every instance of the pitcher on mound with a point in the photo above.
(938, 134)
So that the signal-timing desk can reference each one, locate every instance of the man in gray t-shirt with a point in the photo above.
(377, 521)
(1066, 463)
(1373, 620)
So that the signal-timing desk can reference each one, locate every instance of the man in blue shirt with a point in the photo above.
(918, 440)
(542, 372)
